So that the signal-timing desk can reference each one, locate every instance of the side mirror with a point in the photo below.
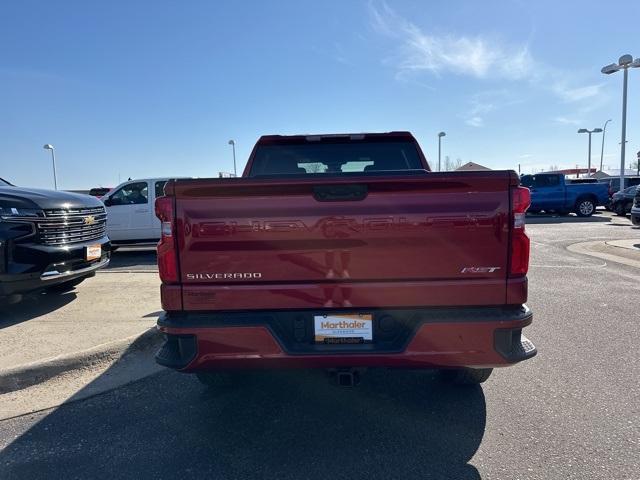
(107, 202)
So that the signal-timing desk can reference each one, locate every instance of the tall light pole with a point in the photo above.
(440, 135)
(584, 130)
(233, 146)
(624, 63)
(604, 132)
(48, 146)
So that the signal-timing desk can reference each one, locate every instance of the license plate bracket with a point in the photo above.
(343, 328)
(93, 252)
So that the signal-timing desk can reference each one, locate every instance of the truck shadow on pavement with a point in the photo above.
(284, 425)
(32, 306)
(535, 219)
(127, 259)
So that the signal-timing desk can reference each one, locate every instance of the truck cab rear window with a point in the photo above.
(540, 181)
(336, 158)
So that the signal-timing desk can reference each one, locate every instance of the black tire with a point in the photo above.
(66, 286)
(467, 376)
(585, 207)
(620, 210)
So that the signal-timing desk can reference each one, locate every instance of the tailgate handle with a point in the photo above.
(339, 193)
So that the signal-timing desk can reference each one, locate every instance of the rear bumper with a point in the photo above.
(424, 338)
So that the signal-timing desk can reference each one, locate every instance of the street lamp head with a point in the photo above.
(583, 130)
(625, 60)
(609, 69)
(232, 142)
(442, 134)
(597, 130)
(48, 146)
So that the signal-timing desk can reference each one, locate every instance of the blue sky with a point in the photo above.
(152, 88)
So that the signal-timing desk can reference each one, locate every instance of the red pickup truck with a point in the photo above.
(344, 252)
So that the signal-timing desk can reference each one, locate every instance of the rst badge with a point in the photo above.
(479, 269)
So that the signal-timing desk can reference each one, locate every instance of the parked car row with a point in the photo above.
(551, 192)
(554, 193)
(53, 240)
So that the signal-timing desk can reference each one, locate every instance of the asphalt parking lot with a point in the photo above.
(572, 412)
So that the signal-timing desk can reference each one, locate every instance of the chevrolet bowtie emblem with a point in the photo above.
(89, 220)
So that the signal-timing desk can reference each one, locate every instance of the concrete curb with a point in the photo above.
(29, 374)
(587, 248)
(628, 244)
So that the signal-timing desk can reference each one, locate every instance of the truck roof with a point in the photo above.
(338, 137)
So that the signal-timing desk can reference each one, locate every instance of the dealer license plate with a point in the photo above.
(343, 328)
(93, 252)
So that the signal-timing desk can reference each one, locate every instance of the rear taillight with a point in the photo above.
(519, 250)
(167, 255)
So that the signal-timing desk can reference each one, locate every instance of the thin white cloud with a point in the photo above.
(477, 56)
(475, 121)
(473, 116)
(576, 94)
(566, 121)
(483, 103)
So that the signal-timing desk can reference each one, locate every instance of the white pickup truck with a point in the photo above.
(130, 213)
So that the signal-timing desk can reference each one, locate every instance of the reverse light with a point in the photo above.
(520, 244)
(167, 255)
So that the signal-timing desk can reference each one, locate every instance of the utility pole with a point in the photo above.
(625, 62)
(440, 135)
(233, 146)
(50, 147)
(604, 132)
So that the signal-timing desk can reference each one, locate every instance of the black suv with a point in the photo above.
(49, 239)
(613, 184)
(635, 209)
(621, 202)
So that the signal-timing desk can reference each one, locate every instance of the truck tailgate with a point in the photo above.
(359, 242)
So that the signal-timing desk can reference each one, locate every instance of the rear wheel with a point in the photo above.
(585, 207)
(467, 376)
(620, 209)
